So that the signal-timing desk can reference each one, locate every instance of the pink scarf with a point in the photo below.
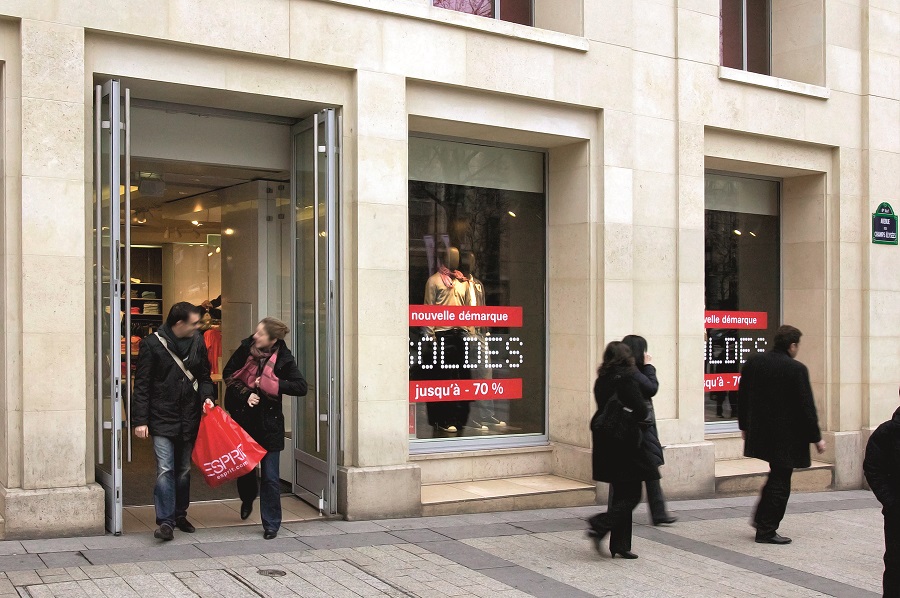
(256, 361)
(446, 275)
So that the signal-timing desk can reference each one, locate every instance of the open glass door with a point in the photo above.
(112, 381)
(316, 322)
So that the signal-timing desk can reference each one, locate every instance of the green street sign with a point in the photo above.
(884, 225)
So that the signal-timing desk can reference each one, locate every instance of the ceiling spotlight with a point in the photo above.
(196, 223)
(210, 254)
(229, 231)
(737, 232)
(218, 250)
(752, 234)
(511, 213)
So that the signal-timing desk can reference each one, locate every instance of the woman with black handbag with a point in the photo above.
(619, 455)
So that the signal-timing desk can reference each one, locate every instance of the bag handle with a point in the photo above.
(180, 363)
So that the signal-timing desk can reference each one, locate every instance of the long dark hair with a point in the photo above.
(617, 358)
(638, 346)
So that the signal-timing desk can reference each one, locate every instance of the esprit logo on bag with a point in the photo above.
(226, 464)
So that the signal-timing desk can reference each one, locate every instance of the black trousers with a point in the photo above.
(656, 501)
(892, 555)
(773, 501)
(616, 521)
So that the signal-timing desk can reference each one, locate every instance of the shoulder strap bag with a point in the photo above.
(180, 363)
(616, 423)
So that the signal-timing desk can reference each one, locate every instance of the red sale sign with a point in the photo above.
(433, 391)
(463, 316)
(722, 382)
(745, 320)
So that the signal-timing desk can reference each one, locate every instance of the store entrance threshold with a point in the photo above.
(218, 513)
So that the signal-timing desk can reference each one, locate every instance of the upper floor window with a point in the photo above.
(745, 35)
(514, 11)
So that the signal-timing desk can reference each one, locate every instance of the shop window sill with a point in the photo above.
(787, 85)
(423, 10)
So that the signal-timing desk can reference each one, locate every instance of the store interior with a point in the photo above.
(204, 233)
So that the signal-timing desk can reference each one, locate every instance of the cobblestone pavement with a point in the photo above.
(837, 550)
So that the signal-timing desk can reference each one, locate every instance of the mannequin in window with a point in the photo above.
(449, 287)
(484, 413)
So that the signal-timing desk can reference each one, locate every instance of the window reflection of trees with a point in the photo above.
(482, 8)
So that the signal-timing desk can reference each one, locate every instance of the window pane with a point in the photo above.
(477, 240)
(743, 283)
(758, 36)
(516, 11)
(731, 32)
(484, 8)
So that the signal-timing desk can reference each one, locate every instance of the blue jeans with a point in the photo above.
(172, 493)
(269, 490)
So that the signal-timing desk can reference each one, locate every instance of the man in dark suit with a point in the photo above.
(777, 417)
(882, 467)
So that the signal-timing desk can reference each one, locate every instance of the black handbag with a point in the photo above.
(616, 423)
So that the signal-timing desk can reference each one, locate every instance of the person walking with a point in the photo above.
(649, 385)
(171, 383)
(619, 455)
(882, 469)
(258, 374)
(778, 421)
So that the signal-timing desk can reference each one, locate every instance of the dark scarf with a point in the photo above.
(188, 349)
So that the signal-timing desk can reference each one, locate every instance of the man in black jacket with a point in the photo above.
(882, 467)
(777, 417)
(170, 383)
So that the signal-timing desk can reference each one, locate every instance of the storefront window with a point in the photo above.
(743, 284)
(514, 11)
(477, 272)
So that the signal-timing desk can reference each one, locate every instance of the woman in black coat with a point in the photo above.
(257, 375)
(619, 456)
(882, 468)
(649, 385)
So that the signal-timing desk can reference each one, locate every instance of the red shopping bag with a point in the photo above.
(223, 450)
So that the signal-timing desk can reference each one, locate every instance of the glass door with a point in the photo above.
(112, 287)
(316, 322)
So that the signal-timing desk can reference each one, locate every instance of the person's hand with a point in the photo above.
(253, 401)
(256, 384)
(648, 359)
(142, 432)
(209, 402)
(820, 447)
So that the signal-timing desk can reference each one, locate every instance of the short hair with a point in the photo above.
(181, 311)
(786, 336)
(275, 328)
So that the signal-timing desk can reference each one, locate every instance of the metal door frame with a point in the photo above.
(330, 356)
(116, 121)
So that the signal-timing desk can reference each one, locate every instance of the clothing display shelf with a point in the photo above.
(145, 294)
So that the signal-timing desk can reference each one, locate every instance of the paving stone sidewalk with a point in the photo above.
(837, 551)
